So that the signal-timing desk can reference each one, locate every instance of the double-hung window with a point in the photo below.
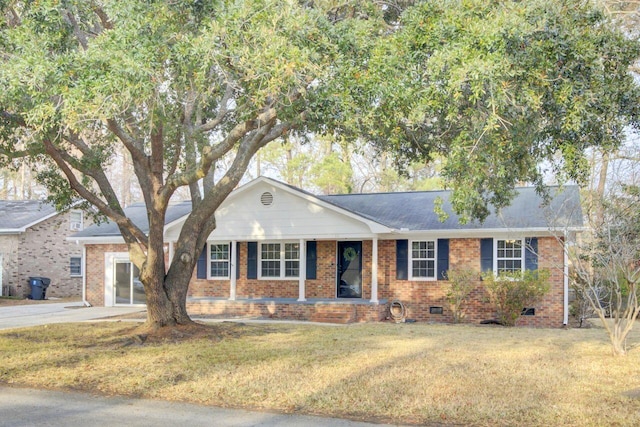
(75, 266)
(279, 260)
(423, 259)
(218, 260)
(75, 220)
(509, 256)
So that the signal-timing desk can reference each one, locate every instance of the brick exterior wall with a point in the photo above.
(324, 285)
(42, 250)
(419, 296)
(210, 297)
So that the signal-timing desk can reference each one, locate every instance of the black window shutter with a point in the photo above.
(531, 253)
(486, 255)
(312, 257)
(237, 260)
(202, 264)
(402, 259)
(443, 259)
(252, 260)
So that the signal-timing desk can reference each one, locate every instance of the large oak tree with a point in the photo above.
(495, 87)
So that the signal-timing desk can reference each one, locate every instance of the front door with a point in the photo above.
(127, 286)
(349, 269)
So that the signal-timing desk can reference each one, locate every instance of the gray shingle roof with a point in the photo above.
(415, 210)
(409, 211)
(137, 212)
(17, 214)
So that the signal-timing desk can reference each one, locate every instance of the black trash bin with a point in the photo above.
(39, 287)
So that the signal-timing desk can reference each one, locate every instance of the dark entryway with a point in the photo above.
(349, 269)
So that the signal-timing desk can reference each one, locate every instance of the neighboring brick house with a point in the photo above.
(281, 252)
(33, 242)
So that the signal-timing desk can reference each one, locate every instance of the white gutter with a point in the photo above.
(96, 240)
(12, 230)
(477, 232)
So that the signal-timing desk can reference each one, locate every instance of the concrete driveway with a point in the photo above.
(20, 316)
(26, 407)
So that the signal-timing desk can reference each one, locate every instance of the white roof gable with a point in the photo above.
(269, 210)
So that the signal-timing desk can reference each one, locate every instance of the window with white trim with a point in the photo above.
(75, 266)
(279, 260)
(75, 220)
(218, 260)
(509, 255)
(423, 259)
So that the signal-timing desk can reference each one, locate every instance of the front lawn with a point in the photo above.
(406, 373)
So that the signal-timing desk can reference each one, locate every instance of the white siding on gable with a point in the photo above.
(246, 216)
(288, 216)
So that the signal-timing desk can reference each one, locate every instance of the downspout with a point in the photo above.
(84, 276)
(566, 281)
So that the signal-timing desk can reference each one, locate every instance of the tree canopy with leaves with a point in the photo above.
(500, 88)
(495, 87)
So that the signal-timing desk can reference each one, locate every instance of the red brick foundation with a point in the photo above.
(329, 311)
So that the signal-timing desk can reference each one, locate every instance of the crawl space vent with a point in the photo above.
(266, 199)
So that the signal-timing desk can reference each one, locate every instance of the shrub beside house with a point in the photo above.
(33, 243)
(281, 252)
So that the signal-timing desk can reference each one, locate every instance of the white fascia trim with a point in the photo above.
(97, 240)
(51, 215)
(485, 232)
(274, 238)
(175, 222)
(12, 231)
(38, 221)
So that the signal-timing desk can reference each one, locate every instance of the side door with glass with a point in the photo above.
(127, 287)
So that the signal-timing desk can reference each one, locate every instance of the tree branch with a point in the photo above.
(134, 146)
(210, 154)
(80, 35)
(224, 109)
(15, 118)
(104, 18)
(130, 232)
(157, 156)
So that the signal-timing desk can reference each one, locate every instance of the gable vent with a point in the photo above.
(266, 199)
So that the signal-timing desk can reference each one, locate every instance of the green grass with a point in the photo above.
(407, 373)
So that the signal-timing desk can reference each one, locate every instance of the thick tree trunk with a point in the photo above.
(166, 293)
(169, 292)
(166, 303)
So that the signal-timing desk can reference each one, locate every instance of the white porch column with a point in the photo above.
(374, 270)
(303, 271)
(232, 273)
